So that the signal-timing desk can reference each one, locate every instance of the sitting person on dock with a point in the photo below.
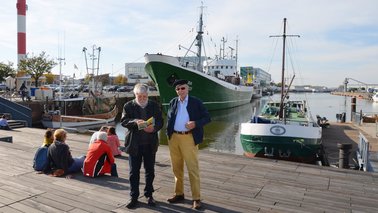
(4, 123)
(113, 141)
(49, 137)
(99, 159)
(94, 135)
(40, 160)
(60, 160)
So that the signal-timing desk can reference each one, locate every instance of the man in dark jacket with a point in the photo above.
(141, 141)
(186, 118)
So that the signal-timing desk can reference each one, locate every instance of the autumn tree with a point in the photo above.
(37, 66)
(120, 79)
(50, 78)
(6, 70)
(87, 78)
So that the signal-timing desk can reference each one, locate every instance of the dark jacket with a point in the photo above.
(131, 111)
(59, 157)
(197, 112)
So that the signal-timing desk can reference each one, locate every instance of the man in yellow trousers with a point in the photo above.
(186, 118)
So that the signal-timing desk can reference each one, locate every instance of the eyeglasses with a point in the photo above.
(180, 88)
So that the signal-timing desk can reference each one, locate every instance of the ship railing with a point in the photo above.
(363, 153)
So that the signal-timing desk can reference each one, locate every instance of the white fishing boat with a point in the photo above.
(375, 97)
(81, 114)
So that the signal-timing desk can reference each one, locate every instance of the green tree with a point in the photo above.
(6, 70)
(37, 66)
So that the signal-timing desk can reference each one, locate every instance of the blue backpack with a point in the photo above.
(40, 159)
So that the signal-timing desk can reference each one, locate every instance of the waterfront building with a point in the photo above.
(135, 73)
(259, 76)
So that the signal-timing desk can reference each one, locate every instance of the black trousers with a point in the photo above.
(146, 155)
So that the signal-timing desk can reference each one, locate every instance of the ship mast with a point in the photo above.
(283, 65)
(199, 40)
(93, 58)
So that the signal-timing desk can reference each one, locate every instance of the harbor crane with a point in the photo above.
(346, 81)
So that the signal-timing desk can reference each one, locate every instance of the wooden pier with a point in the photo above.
(229, 183)
(361, 95)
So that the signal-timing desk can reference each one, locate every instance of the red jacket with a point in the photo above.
(98, 160)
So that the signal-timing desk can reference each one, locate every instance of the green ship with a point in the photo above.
(215, 81)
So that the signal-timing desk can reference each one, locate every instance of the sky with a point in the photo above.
(338, 39)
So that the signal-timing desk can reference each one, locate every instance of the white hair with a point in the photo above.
(140, 88)
(102, 136)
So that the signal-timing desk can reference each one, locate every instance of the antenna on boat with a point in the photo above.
(60, 59)
(283, 65)
(236, 54)
(93, 58)
(199, 39)
(222, 49)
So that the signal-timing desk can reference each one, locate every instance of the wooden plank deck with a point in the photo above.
(229, 183)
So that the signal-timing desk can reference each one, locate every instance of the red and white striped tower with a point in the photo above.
(21, 29)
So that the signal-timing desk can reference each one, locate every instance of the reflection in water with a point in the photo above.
(222, 134)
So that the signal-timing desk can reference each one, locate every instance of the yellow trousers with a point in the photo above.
(183, 149)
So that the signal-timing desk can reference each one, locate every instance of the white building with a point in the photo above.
(136, 73)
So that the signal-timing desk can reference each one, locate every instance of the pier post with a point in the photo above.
(344, 151)
(352, 108)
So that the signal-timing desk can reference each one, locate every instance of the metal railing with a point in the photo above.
(357, 118)
(363, 153)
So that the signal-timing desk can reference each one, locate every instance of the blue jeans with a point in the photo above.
(147, 155)
(77, 165)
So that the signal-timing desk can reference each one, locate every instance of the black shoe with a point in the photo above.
(176, 199)
(132, 203)
(151, 201)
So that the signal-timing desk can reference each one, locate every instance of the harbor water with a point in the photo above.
(223, 133)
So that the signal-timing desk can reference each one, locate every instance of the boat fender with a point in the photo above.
(267, 153)
(284, 154)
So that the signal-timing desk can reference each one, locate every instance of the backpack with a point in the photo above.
(40, 159)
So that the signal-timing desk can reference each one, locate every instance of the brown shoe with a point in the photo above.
(176, 199)
(197, 204)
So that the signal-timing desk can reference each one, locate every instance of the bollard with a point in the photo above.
(344, 151)
(343, 117)
(352, 108)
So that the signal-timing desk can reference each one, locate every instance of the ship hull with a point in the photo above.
(279, 141)
(216, 94)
